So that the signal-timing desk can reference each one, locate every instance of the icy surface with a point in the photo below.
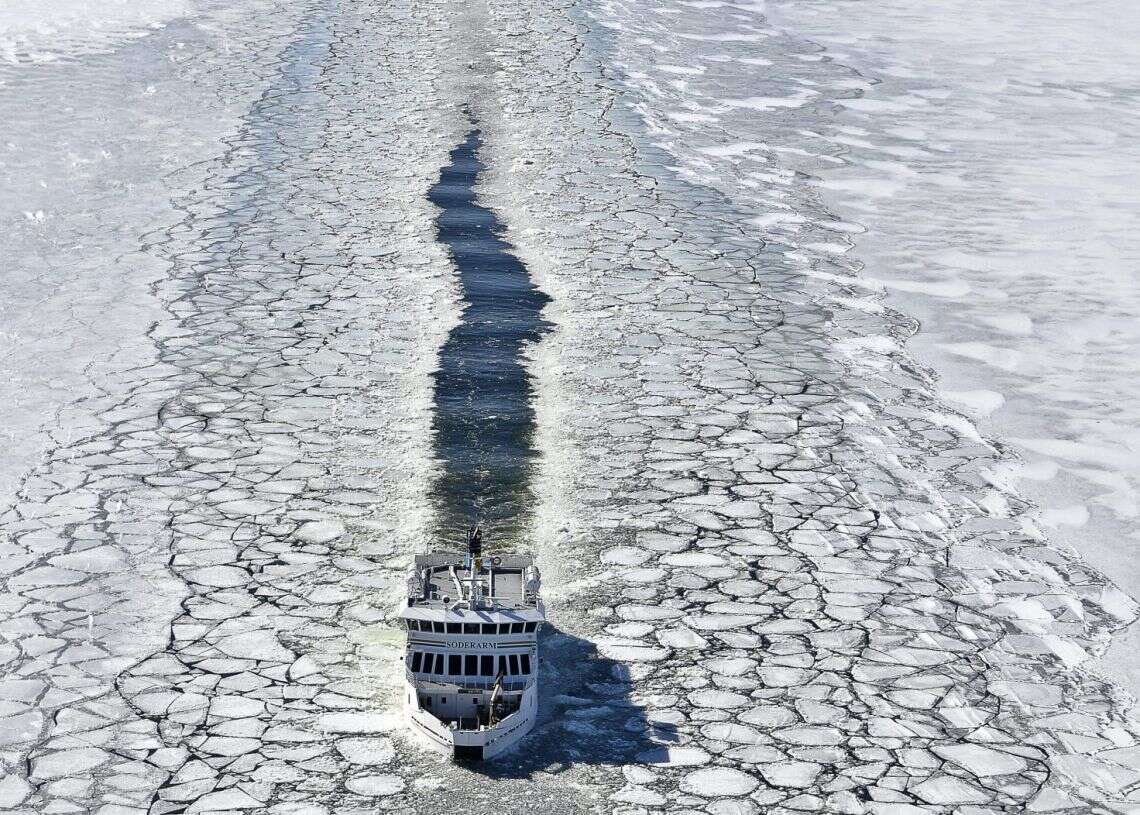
(991, 159)
(46, 30)
(191, 569)
(92, 152)
(887, 632)
(783, 572)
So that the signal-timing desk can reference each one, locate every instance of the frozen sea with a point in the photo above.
(835, 482)
(977, 167)
(991, 168)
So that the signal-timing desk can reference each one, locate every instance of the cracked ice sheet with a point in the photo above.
(980, 123)
(790, 622)
(94, 150)
(196, 575)
(820, 598)
(90, 166)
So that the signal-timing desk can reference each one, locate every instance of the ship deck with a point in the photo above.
(503, 585)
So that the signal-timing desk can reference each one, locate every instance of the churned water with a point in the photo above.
(484, 420)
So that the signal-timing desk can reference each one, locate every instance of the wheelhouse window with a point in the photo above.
(455, 628)
(517, 628)
(490, 629)
(437, 627)
(530, 628)
(470, 628)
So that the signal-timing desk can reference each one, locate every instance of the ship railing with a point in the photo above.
(450, 559)
(488, 602)
(481, 682)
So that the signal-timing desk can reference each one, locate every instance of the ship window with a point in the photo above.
(502, 664)
(417, 661)
(487, 666)
(455, 664)
(454, 628)
(514, 658)
(471, 628)
(524, 663)
(490, 628)
(530, 627)
(437, 627)
(516, 628)
(427, 701)
(471, 665)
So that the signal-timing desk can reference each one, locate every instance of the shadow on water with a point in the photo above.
(586, 713)
(484, 421)
(587, 717)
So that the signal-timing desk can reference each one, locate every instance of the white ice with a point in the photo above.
(43, 30)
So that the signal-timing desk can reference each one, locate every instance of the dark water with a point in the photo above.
(484, 421)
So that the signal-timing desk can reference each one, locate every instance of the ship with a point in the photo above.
(471, 662)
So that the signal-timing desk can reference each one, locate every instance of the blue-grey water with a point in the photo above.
(484, 420)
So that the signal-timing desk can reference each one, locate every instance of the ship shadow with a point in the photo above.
(586, 715)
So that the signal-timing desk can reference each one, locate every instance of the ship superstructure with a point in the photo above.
(472, 660)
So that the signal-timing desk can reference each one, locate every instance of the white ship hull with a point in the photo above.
(485, 742)
(471, 664)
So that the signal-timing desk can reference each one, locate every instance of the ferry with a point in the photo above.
(471, 663)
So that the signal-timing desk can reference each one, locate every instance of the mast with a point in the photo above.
(474, 563)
